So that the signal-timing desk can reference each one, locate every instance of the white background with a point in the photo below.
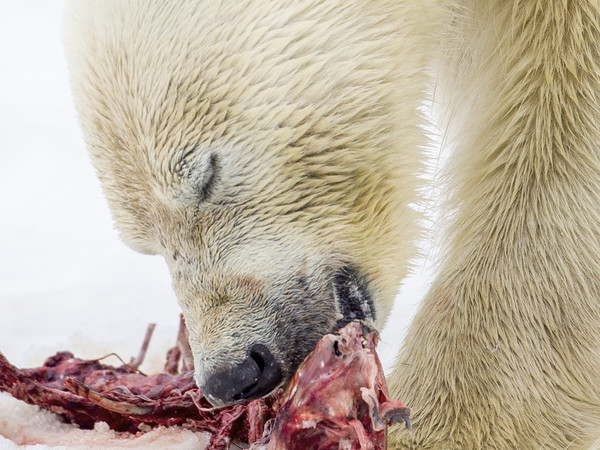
(66, 280)
(65, 277)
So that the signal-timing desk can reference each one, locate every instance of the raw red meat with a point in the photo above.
(85, 392)
(338, 397)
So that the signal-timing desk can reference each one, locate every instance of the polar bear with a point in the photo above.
(271, 152)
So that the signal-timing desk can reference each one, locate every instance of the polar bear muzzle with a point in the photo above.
(248, 357)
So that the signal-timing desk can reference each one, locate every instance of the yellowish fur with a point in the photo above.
(316, 147)
(304, 116)
(505, 351)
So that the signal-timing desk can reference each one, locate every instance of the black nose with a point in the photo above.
(255, 377)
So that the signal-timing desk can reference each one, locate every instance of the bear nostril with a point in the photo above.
(254, 377)
(258, 359)
(270, 373)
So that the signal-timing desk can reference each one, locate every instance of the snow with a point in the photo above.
(66, 280)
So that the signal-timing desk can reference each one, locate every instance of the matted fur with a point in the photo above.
(260, 145)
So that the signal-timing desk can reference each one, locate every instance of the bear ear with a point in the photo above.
(200, 175)
(203, 177)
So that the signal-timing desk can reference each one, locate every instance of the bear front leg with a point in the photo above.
(505, 350)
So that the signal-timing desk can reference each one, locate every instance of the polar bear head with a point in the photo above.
(256, 146)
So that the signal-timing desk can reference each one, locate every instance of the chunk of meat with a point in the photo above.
(85, 392)
(337, 399)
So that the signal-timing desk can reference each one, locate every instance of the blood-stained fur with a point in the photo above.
(270, 151)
